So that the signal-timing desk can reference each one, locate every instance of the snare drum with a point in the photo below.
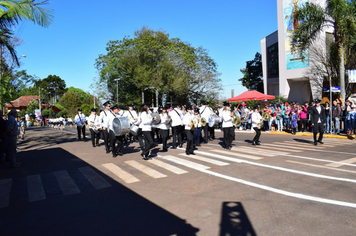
(121, 126)
(214, 121)
(134, 130)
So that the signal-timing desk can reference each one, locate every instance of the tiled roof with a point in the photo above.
(22, 101)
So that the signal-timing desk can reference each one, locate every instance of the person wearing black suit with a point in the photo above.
(318, 121)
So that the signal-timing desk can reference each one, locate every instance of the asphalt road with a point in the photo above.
(286, 186)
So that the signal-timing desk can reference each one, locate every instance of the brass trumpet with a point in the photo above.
(236, 121)
(203, 121)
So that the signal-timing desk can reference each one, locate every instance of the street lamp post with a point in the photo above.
(117, 90)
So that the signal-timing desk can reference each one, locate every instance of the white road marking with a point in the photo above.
(253, 157)
(184, 162)
(94, 178)
(5, 188)
(261, 148)
(275, 190)
(167, 166)
(283, 169)
(145, 169)
(66, 183)
(220, 156)
(200, 158)
(319, 166)
(117, 171)
(35, 188)
(238, 149)
(342, 163)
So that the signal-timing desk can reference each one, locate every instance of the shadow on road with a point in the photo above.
(234, 220)
(114, 210)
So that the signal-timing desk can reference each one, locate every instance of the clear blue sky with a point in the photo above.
(230, 30)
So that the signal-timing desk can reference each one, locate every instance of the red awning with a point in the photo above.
(251, 95)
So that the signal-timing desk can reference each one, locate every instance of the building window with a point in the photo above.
(272, 61)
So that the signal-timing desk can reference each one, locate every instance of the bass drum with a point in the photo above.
(134, 130)
(121, 126)
(214, 121)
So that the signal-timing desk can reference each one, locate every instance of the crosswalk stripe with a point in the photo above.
(238, 154)
(297, 145)
(342, 163)
(66, 183)
(94, 178)
(145, 169)
(253, 152)
(167, 166)
(265, 150)
(123, 175)
(200, 158)
(35, 188)
(5, 188)
(184, 162)
(220, 156)
(283, 149)
(311, 144)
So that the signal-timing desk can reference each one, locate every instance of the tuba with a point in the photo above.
(192, 124)
(236, 121)
(266, 116)
(203, 121)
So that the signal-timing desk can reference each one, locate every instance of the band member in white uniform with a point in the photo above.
(94, 127)
(256, 121)
(205, 112)
(177, 123)
(188, 128)
(133, 118)
(116, 150)
(197, 127)
(228, 128)
(164, 127)
(146, 126)
(104, 118)
(79, 121)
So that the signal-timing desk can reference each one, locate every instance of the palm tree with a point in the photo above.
(338, 15)
(11, 13)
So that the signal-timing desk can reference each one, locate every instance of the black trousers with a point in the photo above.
(81, 130)
(140, 137)
(116, 139)
(190, 146)
(229, 135)
(318, 128)
(257, 136)
(206, 133)
(148, 142)
(304, 124)
(212, 132)
(105, 135)
(177, 133)
(164, 135)
(94, 137)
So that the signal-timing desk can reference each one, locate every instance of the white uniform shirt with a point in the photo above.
(255, 119)
(110, 117)
(79, 120)
(206, 112)
(146, 121)
(177, 117)
(132, 115)
(104, 118)
(163, 125)
(226, 119)
(94, 121)
(186, 121)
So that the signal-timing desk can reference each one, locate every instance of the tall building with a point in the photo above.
(284, 72)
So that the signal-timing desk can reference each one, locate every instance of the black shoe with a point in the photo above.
(107, 151)
(114, 155)
(144, 157)
(253, 143)
(187, 153)
(321, 142)
(120, 154)
(258, 143)
(180, 145)
(173, 147)
(94, 146)
(315, 143)
(164, 150)
(192, 153)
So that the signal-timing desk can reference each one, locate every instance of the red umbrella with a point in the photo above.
(251, 95)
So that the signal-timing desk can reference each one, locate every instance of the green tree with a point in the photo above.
(11, 13)
(152, 59)
(253, 74)
(338, 15)
(83, 96)
(32, 106)
(71, 102)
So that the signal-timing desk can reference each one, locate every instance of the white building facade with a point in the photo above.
(286, 73)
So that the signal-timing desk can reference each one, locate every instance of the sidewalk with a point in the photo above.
(340, 136)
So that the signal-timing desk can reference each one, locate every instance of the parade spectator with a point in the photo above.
(11, 138)
(336, 113)
(303, 116)
(286, 115)
(327, 114)
(279, 118)
(2, 136)
(348, 118)
(294, 119)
